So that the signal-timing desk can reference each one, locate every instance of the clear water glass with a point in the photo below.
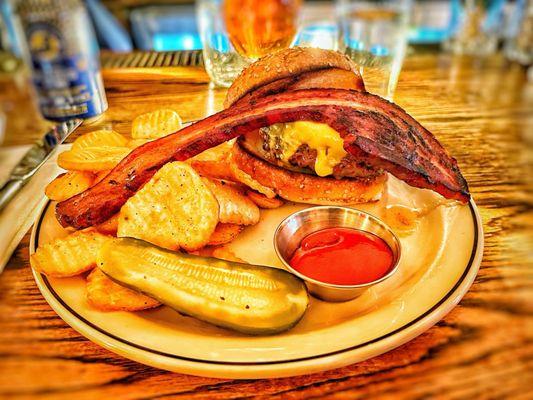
(318, 27)
(222, 62)
(374, 35)
(318, 34)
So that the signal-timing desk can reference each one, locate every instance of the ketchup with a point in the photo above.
(342, 256)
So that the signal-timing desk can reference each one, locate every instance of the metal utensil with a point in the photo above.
(293, 229)
(35, 157)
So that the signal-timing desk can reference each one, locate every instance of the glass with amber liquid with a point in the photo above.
(237, 32)
(257, 28)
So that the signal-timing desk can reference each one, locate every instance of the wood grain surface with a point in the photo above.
(482, 110)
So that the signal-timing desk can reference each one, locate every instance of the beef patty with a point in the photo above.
(303, 159)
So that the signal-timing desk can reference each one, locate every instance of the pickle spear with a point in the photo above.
(247, 298)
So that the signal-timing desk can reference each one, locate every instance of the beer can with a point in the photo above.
(63, 55)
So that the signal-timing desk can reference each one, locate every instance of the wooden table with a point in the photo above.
(483, 113)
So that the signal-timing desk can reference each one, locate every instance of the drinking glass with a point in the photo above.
(319, 34)
(222, 62)
(374, 35)
(476, 26)
(235, 33)
(318, 27)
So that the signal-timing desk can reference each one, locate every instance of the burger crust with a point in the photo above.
(306, 188)
(284, 64)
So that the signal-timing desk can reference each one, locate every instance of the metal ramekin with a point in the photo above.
(297, 226)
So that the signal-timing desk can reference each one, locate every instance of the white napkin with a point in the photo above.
(18, 216)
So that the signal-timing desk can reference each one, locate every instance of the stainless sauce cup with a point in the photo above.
(293, 229)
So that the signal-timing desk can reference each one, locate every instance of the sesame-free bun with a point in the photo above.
(296, 68)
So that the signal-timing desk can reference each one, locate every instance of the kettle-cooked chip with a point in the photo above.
(212, 169)
(234, 207)
(134, 143)
(263, 201)
(109, 227)
(246, 179)
(225, 254)
(214, 162)
(175, 209)
(155, 124)
(68, 256)
(225, 233)
(69, 184)
(100, 138)
(217, 153)
(92, 158)
(106, 295)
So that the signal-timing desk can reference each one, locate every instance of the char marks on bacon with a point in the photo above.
(378, 132)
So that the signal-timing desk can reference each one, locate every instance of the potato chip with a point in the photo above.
(224, 233)
(109, 227)
(134, 143)
(225, 254)
(246, 179)
(92, 158)
(214, 162)
(106, 295)
(217, 153)
(69, 184)
(155, 124)
(101, 138)
(262, 201)
(212, 169)
(175, 209)
(68, 256)
(234, 207)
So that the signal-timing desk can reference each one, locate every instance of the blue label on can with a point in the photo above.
(68, 81)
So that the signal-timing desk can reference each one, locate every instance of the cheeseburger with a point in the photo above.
(302, 161)
(306, 130)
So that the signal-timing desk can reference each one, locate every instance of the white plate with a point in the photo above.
(440, 260)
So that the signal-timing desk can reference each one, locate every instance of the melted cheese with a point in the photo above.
(320, 137)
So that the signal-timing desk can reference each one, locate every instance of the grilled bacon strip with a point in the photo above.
(372, 128)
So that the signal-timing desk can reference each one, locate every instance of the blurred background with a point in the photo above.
(165, 25)
(225, 36)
